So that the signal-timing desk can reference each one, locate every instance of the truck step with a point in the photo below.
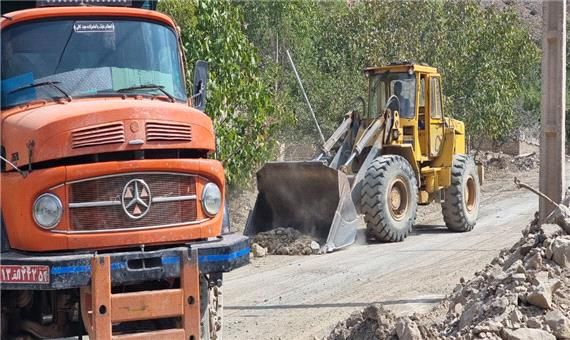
(100, 308)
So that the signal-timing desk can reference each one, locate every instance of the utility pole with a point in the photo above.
(553, 104)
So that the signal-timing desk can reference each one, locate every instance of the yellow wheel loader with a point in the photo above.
(400, 151)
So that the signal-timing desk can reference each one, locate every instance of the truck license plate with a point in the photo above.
(24, 274)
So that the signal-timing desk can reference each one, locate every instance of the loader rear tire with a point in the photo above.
(462, 198)
(389, 198)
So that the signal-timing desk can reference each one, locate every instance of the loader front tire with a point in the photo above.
(389, 198)
(462, 198)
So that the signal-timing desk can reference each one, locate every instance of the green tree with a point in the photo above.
(239, 98)
(486, 56)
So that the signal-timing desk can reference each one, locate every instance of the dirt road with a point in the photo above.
(285, 297)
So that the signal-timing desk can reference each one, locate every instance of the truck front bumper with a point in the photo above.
(26, 271)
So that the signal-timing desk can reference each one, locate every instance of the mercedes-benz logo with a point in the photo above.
(136, 199)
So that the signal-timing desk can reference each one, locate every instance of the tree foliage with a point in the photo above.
(486, 56)
(239, 100)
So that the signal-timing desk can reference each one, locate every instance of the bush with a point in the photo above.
(239, 100)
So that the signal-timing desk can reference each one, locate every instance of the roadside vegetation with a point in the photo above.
(490, 65)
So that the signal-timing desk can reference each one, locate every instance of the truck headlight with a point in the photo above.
(211, 199)
(47, 211)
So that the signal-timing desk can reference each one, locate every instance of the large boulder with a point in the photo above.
(561, 251)
(526, 334)
(406, 329)
(559, 324)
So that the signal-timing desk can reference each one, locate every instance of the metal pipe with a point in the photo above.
(306, 98)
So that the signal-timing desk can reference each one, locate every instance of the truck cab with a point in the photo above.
(103, 152)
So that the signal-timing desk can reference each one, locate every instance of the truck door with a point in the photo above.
(435, 116)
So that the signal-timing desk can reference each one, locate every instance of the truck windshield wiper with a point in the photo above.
(45, 83)
(148, 87)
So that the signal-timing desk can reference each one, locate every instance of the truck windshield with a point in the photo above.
(88, 58)
(402, 85)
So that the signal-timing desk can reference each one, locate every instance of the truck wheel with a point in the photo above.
(211, 308)
(462, 198)
(389, 198)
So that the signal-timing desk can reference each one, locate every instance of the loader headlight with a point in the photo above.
(47, 211)
(211, 199)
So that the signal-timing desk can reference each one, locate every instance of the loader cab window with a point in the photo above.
(435, 98)
(88, 58)
(383, 86)
(422, 104)
(377, 98)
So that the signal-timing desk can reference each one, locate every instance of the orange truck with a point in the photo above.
(113, 217)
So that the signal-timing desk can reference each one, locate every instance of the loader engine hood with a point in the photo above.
(95, 126)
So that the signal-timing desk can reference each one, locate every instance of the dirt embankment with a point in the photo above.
(524, 293)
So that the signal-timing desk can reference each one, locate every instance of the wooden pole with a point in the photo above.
(553, 104)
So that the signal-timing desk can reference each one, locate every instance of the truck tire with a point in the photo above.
(462, 198)
(211, 309)
(389, 198)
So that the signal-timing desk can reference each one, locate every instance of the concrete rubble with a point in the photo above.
(524, 293)
(283, 241)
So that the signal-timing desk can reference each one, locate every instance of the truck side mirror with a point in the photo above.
(199, 85)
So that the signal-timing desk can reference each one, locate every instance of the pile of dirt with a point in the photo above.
(283, 241)
(524, 293)
(499, 160)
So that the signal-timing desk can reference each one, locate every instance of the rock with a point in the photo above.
(534, 262)
(406, 329)
(540, 298)
(283, 251)
(527, 334)
(539, 277)
(533, 323)
(469, 314)
(354, 319)
(458, 308)
(559, 324)
(500, 303)
(541, 293)
(516, 267)
(547, 244)
(561, 251)
(525, 248)
(258, 251)
(514, 257)
(516, 316)
(315, 247)
(550, 230)
(564, 222)
(519, 278)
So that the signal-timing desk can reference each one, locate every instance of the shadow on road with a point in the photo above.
(337, 305)
(421, 229)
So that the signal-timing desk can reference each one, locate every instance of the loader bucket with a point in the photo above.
(307, 196)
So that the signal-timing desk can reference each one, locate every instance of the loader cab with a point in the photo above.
(418, 89)
(400, 85)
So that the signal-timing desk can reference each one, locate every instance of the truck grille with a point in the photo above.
(165, 132)
(98, 135)
(141, 200)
